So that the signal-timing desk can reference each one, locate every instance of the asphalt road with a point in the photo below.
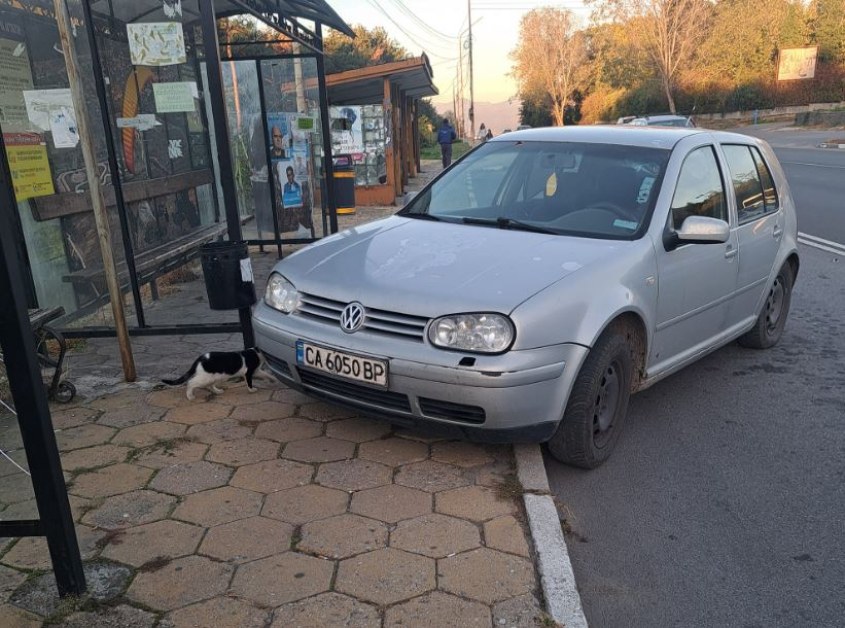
(724, 502)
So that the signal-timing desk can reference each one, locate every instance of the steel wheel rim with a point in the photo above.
(606, 404)
(774, 305)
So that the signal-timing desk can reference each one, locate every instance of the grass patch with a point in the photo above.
(165, 447)
(509, 488)
(433, 152)
(545, 620)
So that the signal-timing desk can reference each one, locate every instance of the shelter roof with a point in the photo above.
(365, 86)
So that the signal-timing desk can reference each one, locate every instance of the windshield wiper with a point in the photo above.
(421, 216)
(508, 223)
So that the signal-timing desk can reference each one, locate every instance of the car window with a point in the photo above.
(699, 191)
(748, 188)
(574, 188)
(770, 194)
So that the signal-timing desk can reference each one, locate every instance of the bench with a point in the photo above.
(149, 265)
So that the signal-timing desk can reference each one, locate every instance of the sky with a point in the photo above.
(436, 26)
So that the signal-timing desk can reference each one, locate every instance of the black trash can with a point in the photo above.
(229, 283)
(344, 183)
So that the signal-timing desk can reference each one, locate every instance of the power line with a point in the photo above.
(413, 39)
(407, 11)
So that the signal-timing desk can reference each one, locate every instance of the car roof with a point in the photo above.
(605, 134)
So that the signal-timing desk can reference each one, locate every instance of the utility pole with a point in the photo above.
(471, 91)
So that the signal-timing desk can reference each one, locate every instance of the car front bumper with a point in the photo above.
(518, 396)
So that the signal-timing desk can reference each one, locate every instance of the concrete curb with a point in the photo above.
(563, 603)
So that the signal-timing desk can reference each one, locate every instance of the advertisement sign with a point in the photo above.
(156, 43)
(15, 77)
(52, 110)
(347, 130)
(175, 97)
(28, 164)
(797, 63)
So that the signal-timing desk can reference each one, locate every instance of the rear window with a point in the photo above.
(752, 182)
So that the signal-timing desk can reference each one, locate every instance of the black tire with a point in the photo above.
(597, 405)
(770, 324)
(65, 392)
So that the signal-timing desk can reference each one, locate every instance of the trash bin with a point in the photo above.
(344, 183)
(228, 275)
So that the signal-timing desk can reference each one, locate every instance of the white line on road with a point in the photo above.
(820, 243)
(801, 163)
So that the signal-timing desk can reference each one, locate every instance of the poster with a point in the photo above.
(175, 97)
(279, 139)
(172, 8)
(156, 43)
(15, 77)
(28, 164)
(797, 63)
(52, 110)
(291, 188)
(346, 129)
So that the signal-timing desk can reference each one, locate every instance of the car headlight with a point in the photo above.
(281, 294)
(483, 333)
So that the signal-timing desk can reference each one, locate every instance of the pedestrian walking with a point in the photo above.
(445, 136)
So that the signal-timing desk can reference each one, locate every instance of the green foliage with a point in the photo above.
(369, 47)
(536, 111)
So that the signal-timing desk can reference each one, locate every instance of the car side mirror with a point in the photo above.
(698, 230)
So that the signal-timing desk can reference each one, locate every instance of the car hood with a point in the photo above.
(430, 268)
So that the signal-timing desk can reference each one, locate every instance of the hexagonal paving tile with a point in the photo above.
(169, 398)
(122, 399)
(289, 395)
(522, 611)
(358, 430)
(219, 431)
(86, 435)
(263, 411)
(191, 477)
(391, 503)
(181, 582)
(353, 475)
(247, 539)
(460, 454)
(18, 618)
(393, 451)
(16, 488)
(505, 533)
(286, 430)
(32, 552)
(93, 457)
(327, 609)
(486, 575)
(436, 536)
(431, 476)
(244, 451)
(438, 609)
(130, 415)
(320, 411)
(130, 509)
(272, 475)
(162, 539)
(238, 395)
(9, 581)
(385, 576)
(111, 480)
(72, 417)
(477, 503)
(219, 612)
(282, 578)
(148, 434)
(305, 503)
(198, 412)
(170, 453)
(320, 449)
(219, 505)
(123, 615)
(342, 536)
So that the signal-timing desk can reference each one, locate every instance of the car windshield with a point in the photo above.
(568, 188)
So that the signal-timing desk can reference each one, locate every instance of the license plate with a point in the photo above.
(342, 364)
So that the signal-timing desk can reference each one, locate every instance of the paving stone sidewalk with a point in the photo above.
(263, 509)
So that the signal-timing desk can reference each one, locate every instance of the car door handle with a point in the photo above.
(730, 252)
(777, 232)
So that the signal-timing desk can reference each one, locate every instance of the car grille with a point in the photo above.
(437, 409)
(351, 391)
(377, 321)
(277, 365)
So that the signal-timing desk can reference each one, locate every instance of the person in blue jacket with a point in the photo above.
(445, 136)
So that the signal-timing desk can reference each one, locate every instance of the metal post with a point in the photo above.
(24, 375)
(328, 166)
(208, 23)
(471, 86)
(270, 181)
(98, 203)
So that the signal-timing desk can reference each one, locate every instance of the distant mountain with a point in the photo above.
(495, 115)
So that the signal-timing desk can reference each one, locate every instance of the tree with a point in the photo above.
(548, 59)
(369, 47)
(669, 31)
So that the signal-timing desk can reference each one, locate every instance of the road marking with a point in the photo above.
(821, 243)
(801, 163)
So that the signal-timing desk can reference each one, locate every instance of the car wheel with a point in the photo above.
(770, 323)
(597, 405)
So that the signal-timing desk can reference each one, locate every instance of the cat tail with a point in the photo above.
(188, 375)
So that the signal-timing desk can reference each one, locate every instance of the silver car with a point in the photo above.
(530, 288)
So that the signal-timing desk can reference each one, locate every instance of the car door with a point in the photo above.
(760, 224)
(696, 282)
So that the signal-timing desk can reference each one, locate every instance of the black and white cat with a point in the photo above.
(218, 366)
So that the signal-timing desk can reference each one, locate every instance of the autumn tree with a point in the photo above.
(371, 46)
(549, 59)
(668, 31)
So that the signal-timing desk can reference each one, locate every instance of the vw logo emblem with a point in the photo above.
(352, 317)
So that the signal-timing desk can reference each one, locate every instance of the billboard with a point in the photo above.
(797, 63)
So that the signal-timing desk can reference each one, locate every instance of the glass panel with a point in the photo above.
(746, 182)
(770, 194)
(699, 191)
